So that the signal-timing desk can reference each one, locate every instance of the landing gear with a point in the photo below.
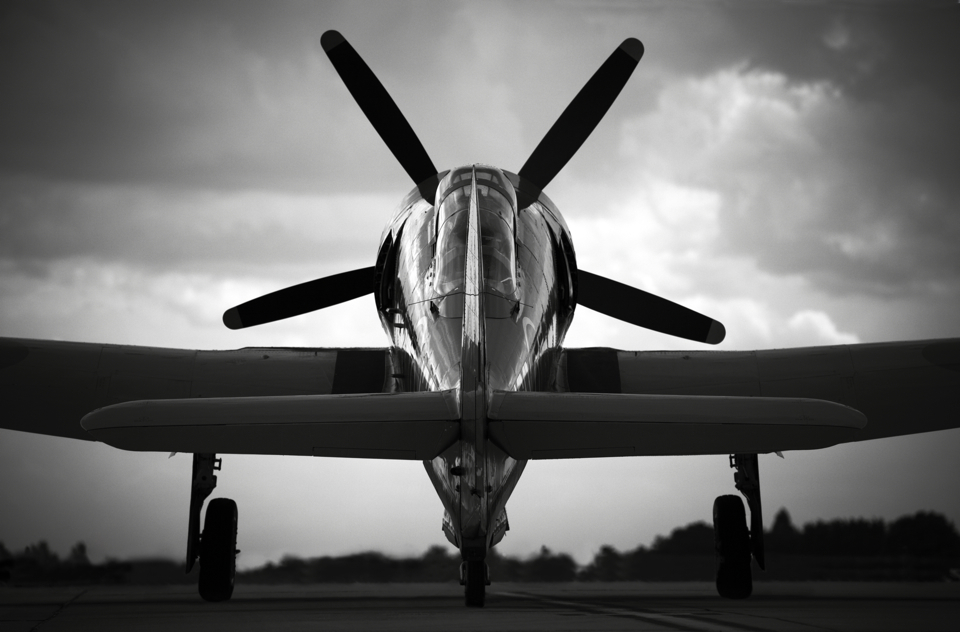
(734, 542)
(734, 580)
(474, 577)
(218, 550)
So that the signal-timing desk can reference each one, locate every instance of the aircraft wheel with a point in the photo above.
(475, 583)
(734, 579)
(218, 550)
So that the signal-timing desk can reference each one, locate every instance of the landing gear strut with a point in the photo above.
(475, 577)
(203, 482)
(217, 548)
(747, 480)
(734, 542)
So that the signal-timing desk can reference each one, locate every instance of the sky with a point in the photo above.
(789, 169)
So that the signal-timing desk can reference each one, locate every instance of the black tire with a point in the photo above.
(475, 584)
(732, 538)
(218, 550)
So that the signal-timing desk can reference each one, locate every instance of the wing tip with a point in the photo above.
(633, 47)
(330, 40)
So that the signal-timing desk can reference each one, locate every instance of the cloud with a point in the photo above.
(820, 325)
(88, 300)
(246, 98)
(666, 238)
(806, 184)
(186, 229)
(773, 205)
(233, 99)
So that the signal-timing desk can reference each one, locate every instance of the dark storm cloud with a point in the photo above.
(870, 49)
(901, 60)
(885, 218)
(177, 135)
(898, 70)
(231, 95)
(239, 96)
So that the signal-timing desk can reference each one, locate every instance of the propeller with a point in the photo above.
(561, 142)
(643, 309)
(581, 117)
(302, 298)
(382, 112)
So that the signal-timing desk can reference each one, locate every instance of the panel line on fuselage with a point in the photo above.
(473, 526)
(477, 297)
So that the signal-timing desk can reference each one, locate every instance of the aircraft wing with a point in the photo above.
(616, 402)
(327, 402)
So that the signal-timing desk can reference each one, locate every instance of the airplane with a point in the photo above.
(476, 284)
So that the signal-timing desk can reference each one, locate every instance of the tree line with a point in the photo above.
(924, 545)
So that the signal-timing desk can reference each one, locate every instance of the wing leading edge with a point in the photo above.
(416, 426)
(576, 425)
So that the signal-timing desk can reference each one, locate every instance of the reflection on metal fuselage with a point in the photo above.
(475, 295)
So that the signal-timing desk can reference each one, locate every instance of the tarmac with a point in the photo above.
(687, 606)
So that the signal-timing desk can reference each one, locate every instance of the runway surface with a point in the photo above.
(620, 606)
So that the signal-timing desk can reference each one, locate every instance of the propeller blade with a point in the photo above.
(382, 112)
(646, 310)
(301, 299)
(581, 116)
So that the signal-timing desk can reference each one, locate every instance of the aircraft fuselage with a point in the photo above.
(476, 295)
